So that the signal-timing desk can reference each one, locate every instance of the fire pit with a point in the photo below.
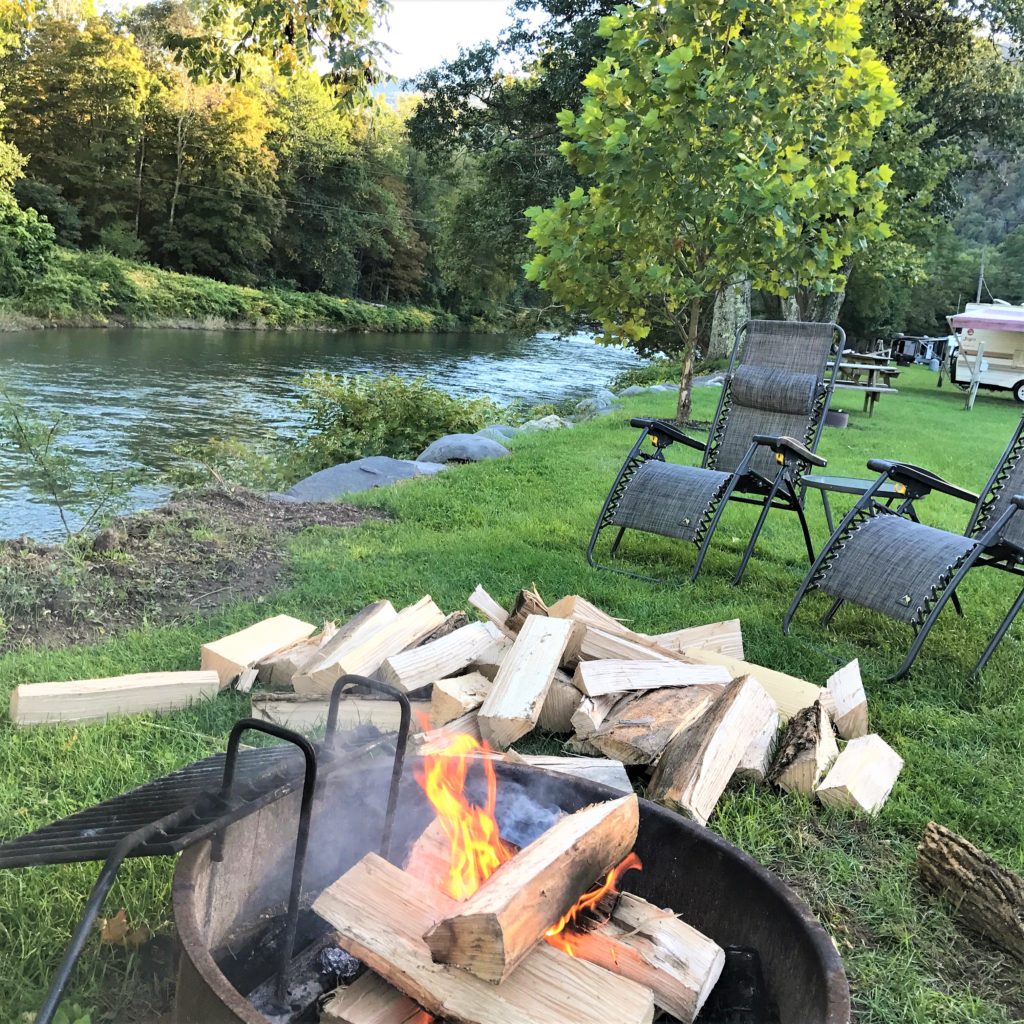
(228, 911)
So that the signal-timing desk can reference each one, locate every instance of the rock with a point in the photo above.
(499, 428)
(551, 422)
(360, 475)
(665, 387)
(107, 540)
(597, 404)
(463, 448)
(633, 389)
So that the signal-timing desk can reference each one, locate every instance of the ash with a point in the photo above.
(522, 817)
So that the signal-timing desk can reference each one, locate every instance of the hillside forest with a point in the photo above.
(126, 135)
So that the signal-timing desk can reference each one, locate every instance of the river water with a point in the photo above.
(135, 394)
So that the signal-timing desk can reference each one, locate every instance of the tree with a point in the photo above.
(716, 139)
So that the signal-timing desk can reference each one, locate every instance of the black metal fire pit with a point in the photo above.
(222, 907)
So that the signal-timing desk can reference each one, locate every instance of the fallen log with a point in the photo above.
(862, 776)
(494, 930)
(412, 669)
(90, 700)
(381, 915)
(723, 637)
(757, 758)
(231, 654)
(527, 602)
(559, 705)
(639, 728)
(985, 896)
(807, 748)
(597, 769)
(654, 948)
(846, 702)
(699, 760)
(490, 610)
(513, 706)
(318, 674)
(452, 698)
(596, 678)
(371, 1000)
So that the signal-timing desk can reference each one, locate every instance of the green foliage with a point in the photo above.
(271, 465)
(49, 202)
(715, 140)
(658, 371)
(26, 242)
(351, 417)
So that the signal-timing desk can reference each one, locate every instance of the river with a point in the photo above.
(133, 395)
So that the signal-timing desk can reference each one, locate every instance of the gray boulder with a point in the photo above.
(665, 387)
(596, 404)
(360, 475)
(551, 422)
(463, 448)
(633, 389)
(502, 429)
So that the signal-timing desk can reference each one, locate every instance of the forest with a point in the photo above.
(137, 135)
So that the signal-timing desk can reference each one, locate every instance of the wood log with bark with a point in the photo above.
(527, 602)
(985, 896)
(592, 712)
(807, 749)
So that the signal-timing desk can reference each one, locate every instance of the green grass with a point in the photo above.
(525, 521)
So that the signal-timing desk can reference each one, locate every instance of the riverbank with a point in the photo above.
(526, 518)
(95, 289)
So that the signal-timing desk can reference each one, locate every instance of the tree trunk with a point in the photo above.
(138, 183)
(686, 376)
(809, 305)
(732, 310)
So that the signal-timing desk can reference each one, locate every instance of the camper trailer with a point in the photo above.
(989, 340)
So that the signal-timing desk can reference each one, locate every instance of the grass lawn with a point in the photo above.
(525, 521)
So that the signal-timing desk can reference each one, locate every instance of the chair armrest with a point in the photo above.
(1018, 500)
(664, 430)
(916, 477)
(790, 446)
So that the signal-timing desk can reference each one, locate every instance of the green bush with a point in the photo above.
(657, 371)
(61, 294)
(351, 417)
(26, 244)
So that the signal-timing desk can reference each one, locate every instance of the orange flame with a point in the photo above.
(557, 935)
(477, 849)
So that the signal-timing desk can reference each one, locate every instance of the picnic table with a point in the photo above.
(877, 370)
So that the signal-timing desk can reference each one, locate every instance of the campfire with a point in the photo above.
(481, 930)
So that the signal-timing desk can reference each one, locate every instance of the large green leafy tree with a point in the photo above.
(715, 139)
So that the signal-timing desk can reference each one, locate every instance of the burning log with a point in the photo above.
(371, 1000)
(862, 776)
(382, 914)
(493, 930)
(318, 674)
(845, 701)
(433, 741)
(724, 637)
(596, 769)
(231, 654)
(87, 700)
(698, 762)
(986, 897)
(455, 697)
(640, 728)
(527, 602)
(513, 706)
(654, 948)
(490, 610)
(807, 749)
(559, 705)
(422, 665)
(596, 678)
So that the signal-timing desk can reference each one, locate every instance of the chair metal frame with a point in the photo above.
(746, 486)
(990, 548)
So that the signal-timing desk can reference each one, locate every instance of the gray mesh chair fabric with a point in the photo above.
(776, 387)
(886, 560)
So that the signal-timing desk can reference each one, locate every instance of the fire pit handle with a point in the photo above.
(302, 836)
(400, 743)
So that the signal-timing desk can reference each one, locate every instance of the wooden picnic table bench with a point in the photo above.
(871, 393)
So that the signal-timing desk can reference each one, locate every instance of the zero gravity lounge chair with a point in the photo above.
(763, 438)
(886, 560)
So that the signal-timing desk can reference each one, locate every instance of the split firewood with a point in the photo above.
(576, 746)
(429, 858)
(592, 712)
(654, 948)
(639, 728)
(371, 1000)
(604, 770)
(559, 705)
(724, 637)
(381, 914)
(757, 758)
(318, 674)
(807, 748)
(433, 741)
(455, 697)
(862, 776)
(422, 665)
(231, 654)
(513, 706)
(494, 930)
(846, 702)
(278, 671)
(985, 896)
(527, 602)
(599, 644)
(490, 610)
(699, 761)
(453, 621)
(246, 679)
(488, 663)
(581, 610)
(791, 694)
(89, 700)
(305, 715)
(595, 678)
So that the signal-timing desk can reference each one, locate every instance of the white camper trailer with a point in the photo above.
(989, 344)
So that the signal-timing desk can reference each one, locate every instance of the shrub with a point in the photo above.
(350, 417)
(26, 243)
(657, 371)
